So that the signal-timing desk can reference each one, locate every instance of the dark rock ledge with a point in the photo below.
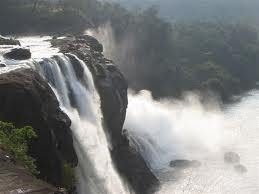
(26, 99)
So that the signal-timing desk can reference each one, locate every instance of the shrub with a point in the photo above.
(68, 176)
(15, 142)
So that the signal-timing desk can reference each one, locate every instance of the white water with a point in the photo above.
(96, 173)
(39, 47)
(80, 100)
(169, 130)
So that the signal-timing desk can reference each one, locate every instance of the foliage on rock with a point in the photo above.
(14, 141)
(68, 176)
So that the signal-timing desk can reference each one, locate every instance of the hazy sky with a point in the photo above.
(237, 10)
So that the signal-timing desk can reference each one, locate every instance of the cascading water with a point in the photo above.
(80, 100)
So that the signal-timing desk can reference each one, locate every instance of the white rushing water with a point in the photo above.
(40, 48)
(169, 130)
(80, 100)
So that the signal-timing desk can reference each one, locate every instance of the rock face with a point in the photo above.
(182, 164)
(240, 168)
(112, 88)
(8, 41)
(231, 157)
(18, 54)
(14, 178)
(91, 41)
(26, 99)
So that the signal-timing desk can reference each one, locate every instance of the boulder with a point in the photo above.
(240, 168)
(91, 41)
(2, 65)
(182, 164)
(18, 54)
(26, 99)
(231, 157)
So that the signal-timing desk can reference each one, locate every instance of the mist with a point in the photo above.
(175, 129)
(190, 127)
(187, 129)
(121, 52)
(219, 10)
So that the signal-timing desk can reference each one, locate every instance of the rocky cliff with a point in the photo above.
(26, 99)
(112, 88)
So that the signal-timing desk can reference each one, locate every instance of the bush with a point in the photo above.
(15, 142)
(68, 176)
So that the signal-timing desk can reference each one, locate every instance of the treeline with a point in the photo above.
(153, 53)
(40, 16)
(169, 59)
(54, 16)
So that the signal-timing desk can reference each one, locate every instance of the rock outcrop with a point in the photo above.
(8, 41)
(112, 88)
(239, 168)
(26, 99)
(231, 157)
(18, 54)
(183, 164)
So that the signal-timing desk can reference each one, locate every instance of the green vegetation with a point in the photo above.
(169, 59)
(68, 176)
(153, 53)
(14, 141)
(32, 16)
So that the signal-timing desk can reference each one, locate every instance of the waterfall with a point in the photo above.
(80, 100)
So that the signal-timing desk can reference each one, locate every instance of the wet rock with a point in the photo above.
(91, 41)
(2, 65)
(18, 54)
(112, 88)
(240, 168)
(133, 167)
(231, 157)
(8, 41)
(79, 70)
(182, 164)
(26, 99)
